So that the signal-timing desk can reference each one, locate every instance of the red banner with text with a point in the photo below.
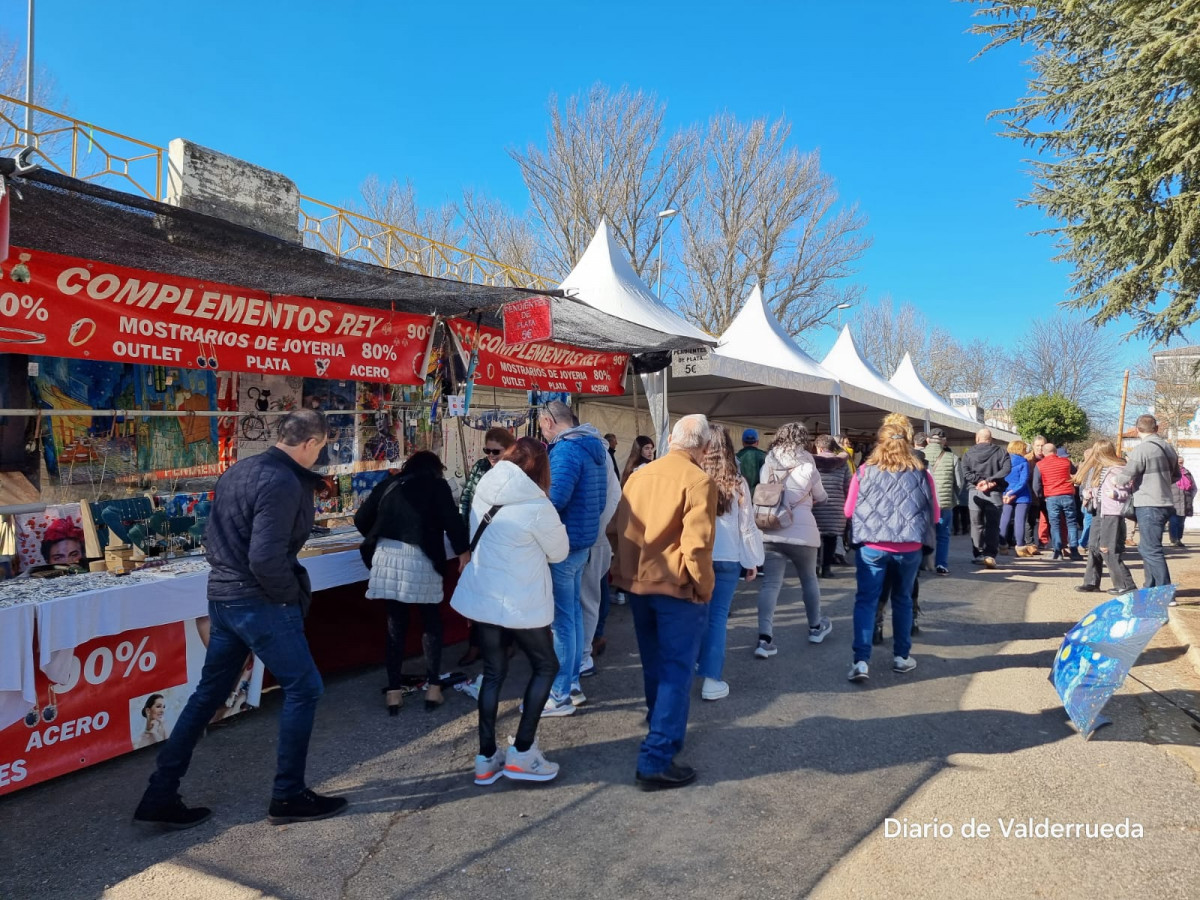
(114, 701)
(85, 309)
(124, 692)
(545, 366)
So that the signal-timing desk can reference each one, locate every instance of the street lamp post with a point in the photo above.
(29, 79)
(665, 214)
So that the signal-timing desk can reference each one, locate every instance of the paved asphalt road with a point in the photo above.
(798, 771)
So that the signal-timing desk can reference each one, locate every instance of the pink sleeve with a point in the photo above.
(852, 497)
(937, 510)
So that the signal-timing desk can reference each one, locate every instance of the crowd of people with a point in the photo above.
(546, 534)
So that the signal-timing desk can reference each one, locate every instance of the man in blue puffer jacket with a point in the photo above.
(578, 486)
(258, 592)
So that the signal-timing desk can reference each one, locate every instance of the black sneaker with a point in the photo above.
(674, 776)
(306, 806)
(173, 814)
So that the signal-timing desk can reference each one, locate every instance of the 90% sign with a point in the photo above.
(102, 661)
(13, 306)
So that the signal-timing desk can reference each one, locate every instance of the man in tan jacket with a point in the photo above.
(665, 526)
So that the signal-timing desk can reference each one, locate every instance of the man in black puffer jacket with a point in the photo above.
(986, 467)
(258, 593)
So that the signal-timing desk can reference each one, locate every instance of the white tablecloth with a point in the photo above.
(66, 622)
(16, 663)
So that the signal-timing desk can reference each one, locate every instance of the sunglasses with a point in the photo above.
(492, 452)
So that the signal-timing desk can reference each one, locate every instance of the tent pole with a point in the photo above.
(637, 422)
(835, 415)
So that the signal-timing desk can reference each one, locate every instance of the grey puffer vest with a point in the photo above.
(892, 507)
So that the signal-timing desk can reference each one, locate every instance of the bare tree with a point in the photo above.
(12, 115)
(979, 366)
(763, 213)
(1070, 356)
(885, 333)
(396, 205)
(496, 232)
(1170, 386)
(607, 156)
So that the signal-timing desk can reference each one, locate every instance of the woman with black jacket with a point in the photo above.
(411, 515)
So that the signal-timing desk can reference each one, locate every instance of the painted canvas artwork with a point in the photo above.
(260, 400)
(116, 451)
(53, 535)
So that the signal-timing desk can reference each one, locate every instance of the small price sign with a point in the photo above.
(687, 363)
(527, 321)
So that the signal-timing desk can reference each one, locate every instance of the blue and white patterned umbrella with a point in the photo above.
(1098, 653)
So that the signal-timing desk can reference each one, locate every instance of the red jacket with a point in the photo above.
(1056, 476)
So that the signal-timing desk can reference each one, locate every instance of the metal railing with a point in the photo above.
(82, 150)
(88, 152)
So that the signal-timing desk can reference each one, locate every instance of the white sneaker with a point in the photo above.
(489, 768)
(818, 632)
(714, 689)
(765, 649)
(903, 664)
(858, 672)
(528, 766)
(555, 708)
(578, 698)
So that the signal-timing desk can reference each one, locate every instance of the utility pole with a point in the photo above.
(1121, 426)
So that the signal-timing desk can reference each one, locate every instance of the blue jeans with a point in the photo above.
(1151, 521)
(712, 645)
(275, 633)
(1175, 528)
(668, 635)
(567, 580)
(1057, 509)
(874, 566)
(941, 556)
(1085, 532)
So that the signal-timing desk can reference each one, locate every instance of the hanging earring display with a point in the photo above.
(50, 710)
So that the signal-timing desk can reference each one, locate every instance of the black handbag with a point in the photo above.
(367, 548)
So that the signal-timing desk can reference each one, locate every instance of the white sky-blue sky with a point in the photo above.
(329, 93)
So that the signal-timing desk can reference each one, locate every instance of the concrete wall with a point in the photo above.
(218, 185)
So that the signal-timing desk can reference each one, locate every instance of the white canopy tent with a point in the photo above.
(907, 380)
(861, 381)
(756, 348)
(756, 376)
(604, 279)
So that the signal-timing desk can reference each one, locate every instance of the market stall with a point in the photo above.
(147, 348)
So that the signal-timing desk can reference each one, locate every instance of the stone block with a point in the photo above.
(220, 185)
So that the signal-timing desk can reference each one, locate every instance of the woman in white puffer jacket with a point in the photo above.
(506, 590)
(790, 462)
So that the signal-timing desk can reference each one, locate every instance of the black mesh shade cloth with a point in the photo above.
(62, 215)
